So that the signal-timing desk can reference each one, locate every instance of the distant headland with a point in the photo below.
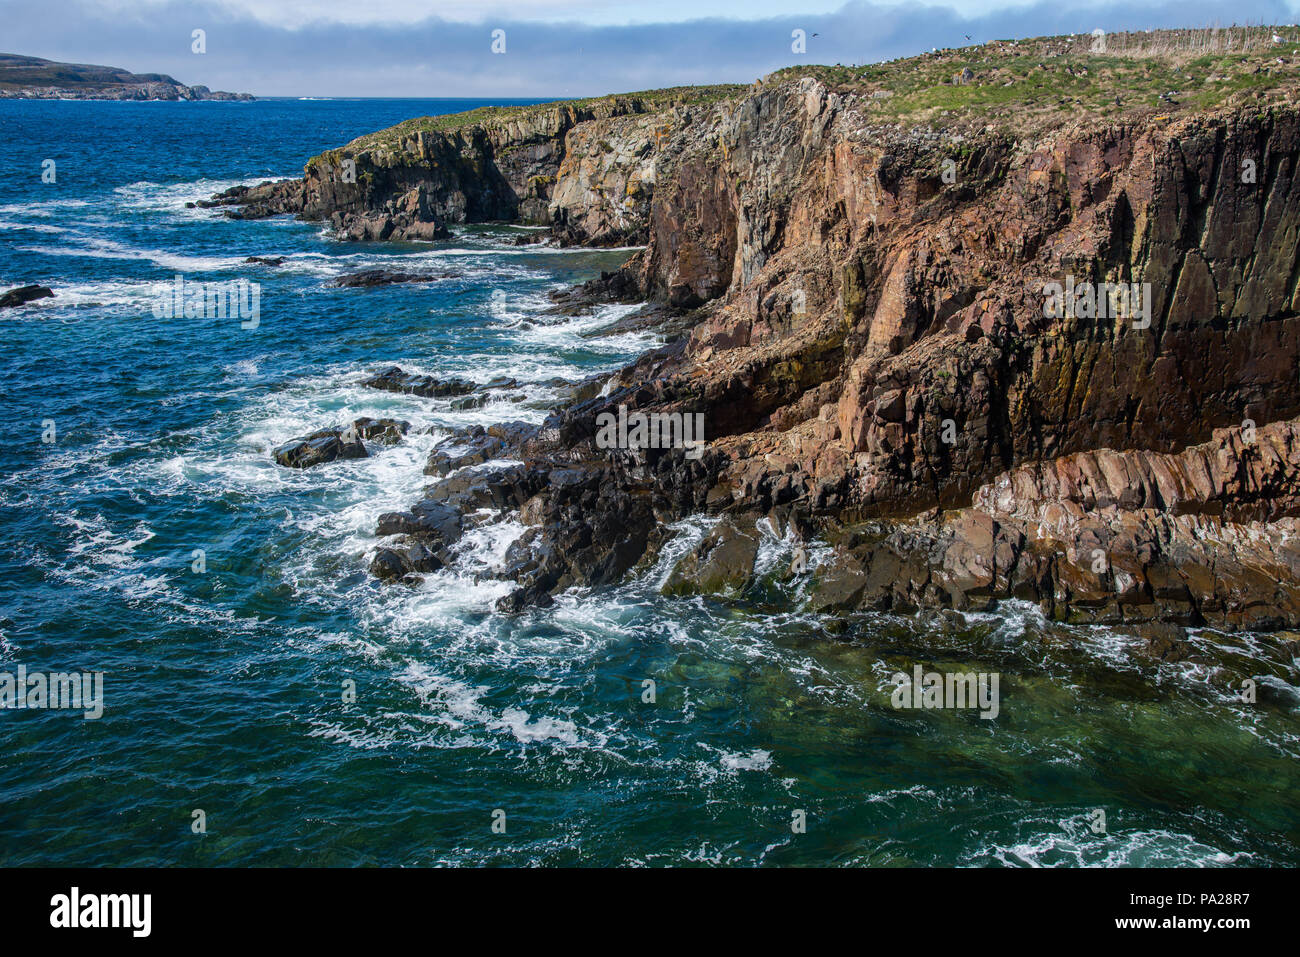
(31, 78)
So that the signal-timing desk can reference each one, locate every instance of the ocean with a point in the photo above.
(149, 536)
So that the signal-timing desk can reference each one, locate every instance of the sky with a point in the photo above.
(552, 48)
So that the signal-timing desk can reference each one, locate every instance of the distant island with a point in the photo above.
(31, 78)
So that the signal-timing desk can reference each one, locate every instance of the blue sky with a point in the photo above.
(553, 47)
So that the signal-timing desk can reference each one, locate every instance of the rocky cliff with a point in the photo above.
(1027, 329)
(585, 167)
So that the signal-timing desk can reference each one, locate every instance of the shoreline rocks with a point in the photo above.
(328, 445)
(394, 379)
(723, 563)
(427, 530)
(1192, 538)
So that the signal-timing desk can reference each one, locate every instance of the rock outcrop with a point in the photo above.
(722, 563)
(424, 534)
(394, 379)
(327, 445)
(23, 295)
(1207, 535)
(388, 277)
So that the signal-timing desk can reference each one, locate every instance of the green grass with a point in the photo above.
(1031, 82)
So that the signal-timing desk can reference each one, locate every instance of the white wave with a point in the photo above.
(120, 293)
(1071, 843)
(917, 792)
(13, 226)
(453, 715)
(755, 760)
(96, 542)
(242, 369)
(686, 535)
(91, 248)
(171, 197)
(578, 332)
(44, 207)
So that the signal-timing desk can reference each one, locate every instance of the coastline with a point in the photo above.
(166, 431)
(867, 378)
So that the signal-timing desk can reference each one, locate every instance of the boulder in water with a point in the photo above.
(23, 295)
(328, 445)
(394, 379)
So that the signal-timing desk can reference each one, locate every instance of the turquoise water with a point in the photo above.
(223, 689)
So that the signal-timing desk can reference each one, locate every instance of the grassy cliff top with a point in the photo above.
(492, 116)
(1028, 83)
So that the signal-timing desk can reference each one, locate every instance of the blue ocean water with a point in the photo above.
(223, 688)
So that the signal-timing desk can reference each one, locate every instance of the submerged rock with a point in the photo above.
(723, 563)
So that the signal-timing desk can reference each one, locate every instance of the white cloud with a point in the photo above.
(292, 14)
(575, 56)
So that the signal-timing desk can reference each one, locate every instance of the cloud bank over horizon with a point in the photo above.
(553, 48)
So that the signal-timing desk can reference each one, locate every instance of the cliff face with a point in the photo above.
(865, 302)
(604, 184)
(880, 349)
